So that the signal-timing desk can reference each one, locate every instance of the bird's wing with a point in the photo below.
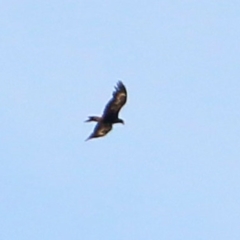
(116, 103)
(100, 130)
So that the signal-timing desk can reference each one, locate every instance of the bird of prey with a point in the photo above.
(110, 113)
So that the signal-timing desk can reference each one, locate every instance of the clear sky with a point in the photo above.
(172, 172)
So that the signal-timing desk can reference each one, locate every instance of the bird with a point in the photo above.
(110, 113)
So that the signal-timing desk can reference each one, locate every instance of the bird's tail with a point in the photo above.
(93, 119)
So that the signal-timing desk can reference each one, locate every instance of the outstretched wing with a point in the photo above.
(116, 103)
(100, 130)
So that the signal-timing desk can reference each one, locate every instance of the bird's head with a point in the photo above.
(120, 121)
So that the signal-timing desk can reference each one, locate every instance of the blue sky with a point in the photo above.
(171, 172)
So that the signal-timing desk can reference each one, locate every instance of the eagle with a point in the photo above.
(110, 113)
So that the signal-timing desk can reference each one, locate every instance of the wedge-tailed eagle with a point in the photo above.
(110, 113)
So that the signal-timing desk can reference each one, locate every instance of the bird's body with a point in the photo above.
(110, 113)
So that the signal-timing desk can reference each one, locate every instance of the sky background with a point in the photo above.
(171, 172)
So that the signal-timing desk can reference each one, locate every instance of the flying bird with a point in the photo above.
(110, 113)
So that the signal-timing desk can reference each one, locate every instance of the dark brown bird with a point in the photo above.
(110, 113)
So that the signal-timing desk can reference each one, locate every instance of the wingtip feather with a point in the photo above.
(88, 139)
